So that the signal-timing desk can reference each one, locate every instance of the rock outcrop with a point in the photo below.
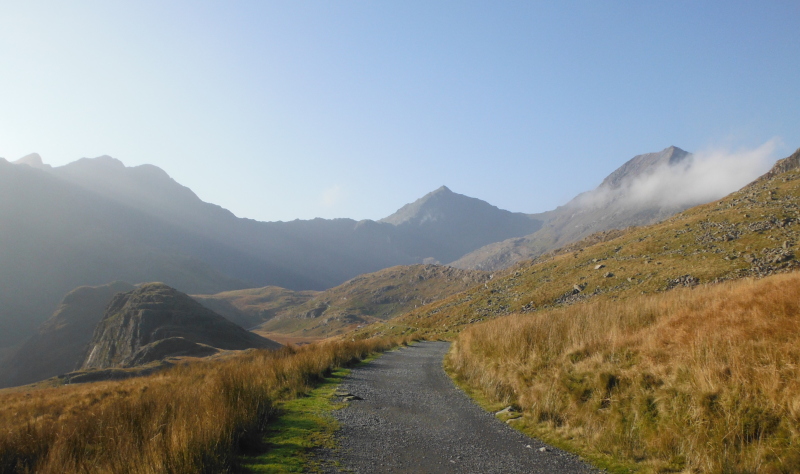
(59, 343)
(156, 321)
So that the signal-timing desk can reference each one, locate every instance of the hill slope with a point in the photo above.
(692, 380)
(60, 342)
(367, 298)
(154, 322)
(253, 306)
(752, 232)
(646, 189)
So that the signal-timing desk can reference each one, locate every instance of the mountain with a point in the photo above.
(59, 343)
(56, 236)
(33, 160)
(448, 225)
(95, 221)
(753, 232)
(156, 321)
(641, 166)
(620, 201)
(305, 255)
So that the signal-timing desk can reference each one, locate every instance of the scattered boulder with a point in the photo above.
(509, 410)
(685, 280)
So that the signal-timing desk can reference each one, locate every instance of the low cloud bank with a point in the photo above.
(699, 178)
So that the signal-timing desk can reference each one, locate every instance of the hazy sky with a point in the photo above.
(301, 109)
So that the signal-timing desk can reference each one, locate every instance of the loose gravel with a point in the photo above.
(412, 418)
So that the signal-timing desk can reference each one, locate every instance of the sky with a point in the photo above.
(278, 110)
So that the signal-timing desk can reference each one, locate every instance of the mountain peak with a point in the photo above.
(643, 165)
(429, 207)
(33, 160)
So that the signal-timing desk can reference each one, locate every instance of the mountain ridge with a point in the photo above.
(96, 220)
(752, 232)
(609, 206)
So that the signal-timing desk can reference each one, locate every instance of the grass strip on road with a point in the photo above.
(302, 425)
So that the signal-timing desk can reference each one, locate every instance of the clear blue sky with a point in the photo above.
(299, 109)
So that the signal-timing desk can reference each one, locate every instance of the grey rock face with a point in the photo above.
(59, 343)
(156, 321)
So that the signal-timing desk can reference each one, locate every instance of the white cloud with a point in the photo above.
(704, 177)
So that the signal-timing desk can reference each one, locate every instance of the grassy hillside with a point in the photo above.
(693, 380)
(372, 297)
(193, 418)
(752, 232)
(253, 306)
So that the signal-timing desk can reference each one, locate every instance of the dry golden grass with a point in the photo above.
(702, 380)
(193, 418)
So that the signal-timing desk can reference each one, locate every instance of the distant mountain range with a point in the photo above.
(95, 221)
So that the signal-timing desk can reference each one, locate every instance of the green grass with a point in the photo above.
(302, 425)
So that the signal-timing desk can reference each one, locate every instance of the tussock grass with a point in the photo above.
(192, 418)
(702, 380)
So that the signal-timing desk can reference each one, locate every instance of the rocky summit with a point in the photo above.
(615, 204)
(156, 321)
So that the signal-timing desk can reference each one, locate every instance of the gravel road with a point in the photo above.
(414, 419)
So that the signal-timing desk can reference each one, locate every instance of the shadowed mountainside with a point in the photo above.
(55, 237)
(154, 322)
(60, 342)
(96, 220)
(447, 225)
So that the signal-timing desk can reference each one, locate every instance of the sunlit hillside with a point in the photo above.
(696, 380)
(362, 300)
(752, 232)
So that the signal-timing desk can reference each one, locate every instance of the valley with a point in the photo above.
(418, 237)
(617, 346)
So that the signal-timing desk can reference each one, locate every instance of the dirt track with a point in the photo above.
(413, 419)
